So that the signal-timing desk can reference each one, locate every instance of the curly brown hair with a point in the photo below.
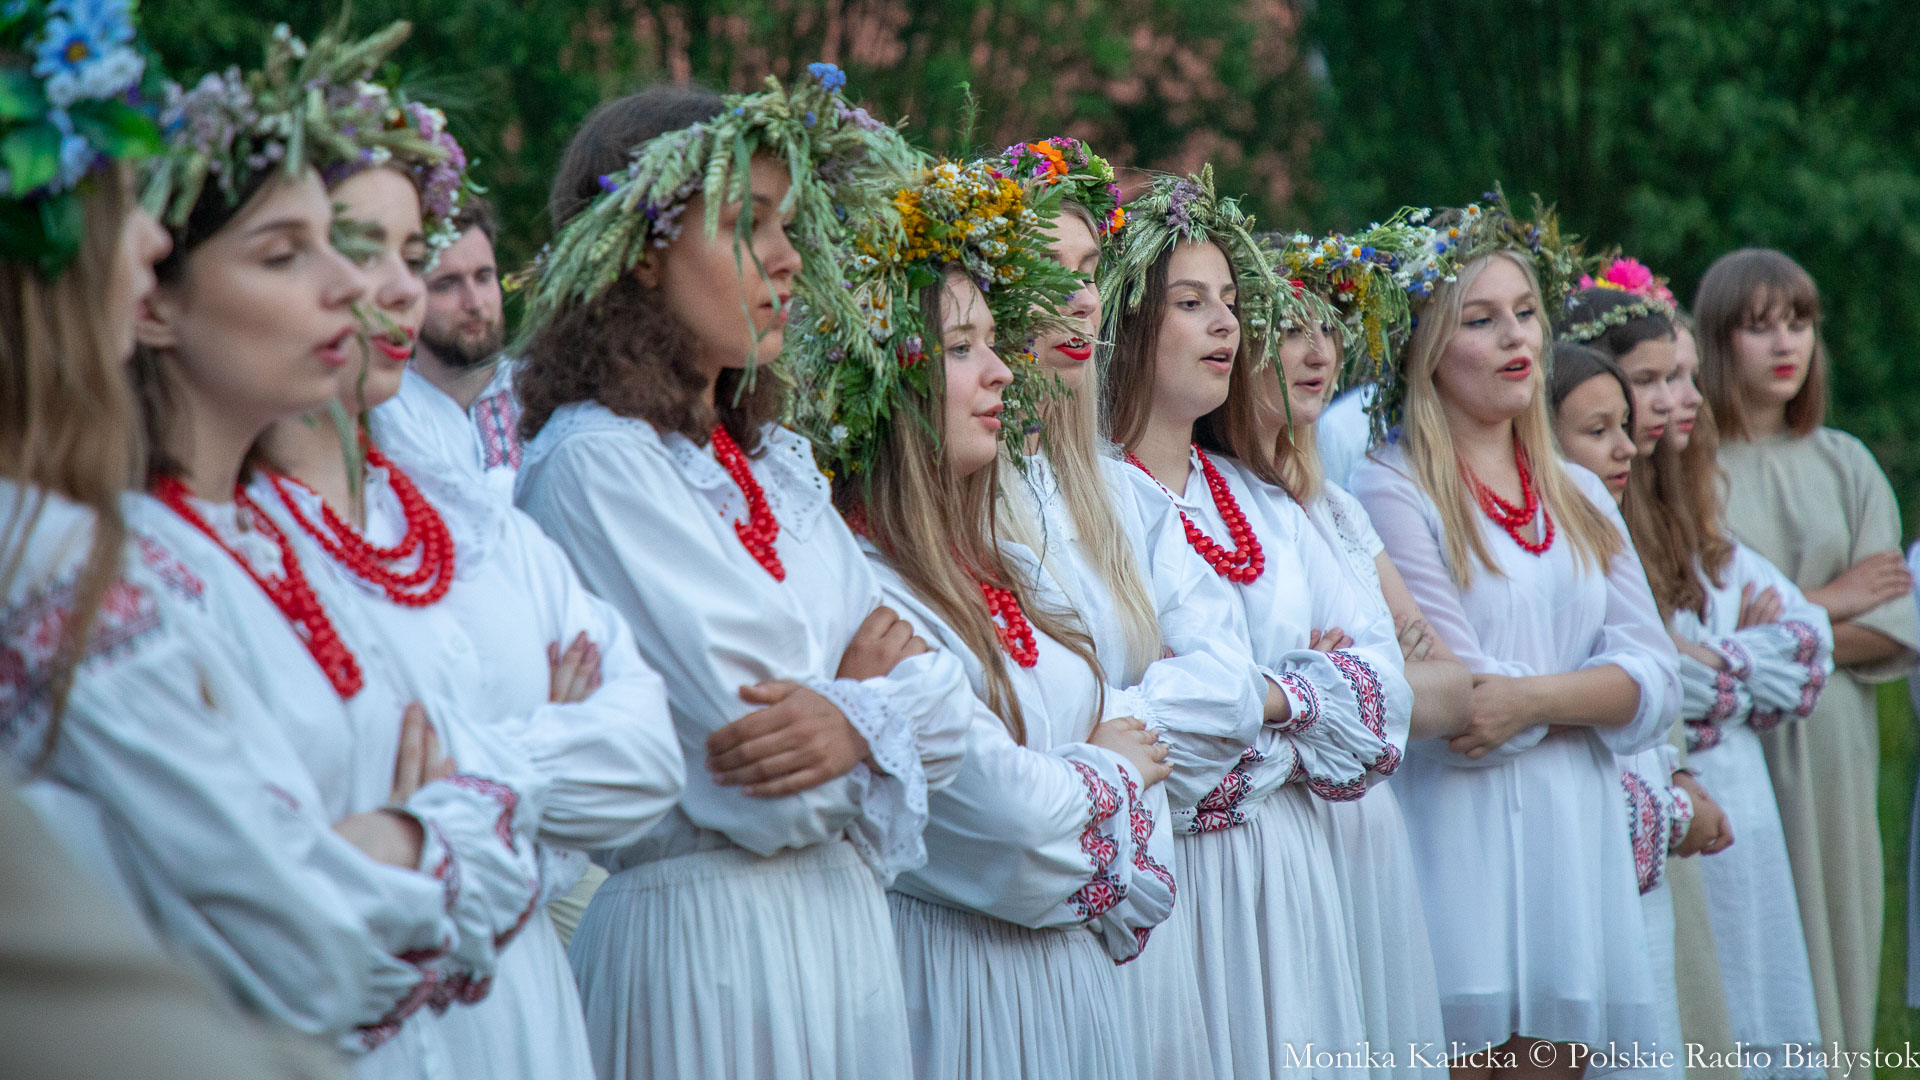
(628, 351)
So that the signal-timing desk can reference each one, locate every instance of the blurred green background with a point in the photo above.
(1678, 130)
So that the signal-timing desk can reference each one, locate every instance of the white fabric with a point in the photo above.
(214, 814)
(612, 763)
(1373, 862)
(1527, 876)
(726, 965)
(1913, 828)
(1665, 1056)
(1009, 1001)
(1049, 835)
(1752, 905)
(648, 521)
(425, 430)
(1343, 433)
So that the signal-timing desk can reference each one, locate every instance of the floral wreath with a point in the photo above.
(87, 98)
(851, 373)
(1086, 176)
(1629, 276)
(834, 153)
(1176, 209)
(1445, 242)
(428, 154)
(1355, 274)
(306, 106)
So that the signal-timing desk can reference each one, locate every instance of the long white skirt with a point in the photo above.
(723, 965)
(1756, 917)
(1533, 910)
(1161, 991)
(988, 1000)
(529, 1024)
(1399, 997)
(1277, 982)
(1665, 1057)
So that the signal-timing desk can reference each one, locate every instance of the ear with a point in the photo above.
(157, 324)
(648, 270)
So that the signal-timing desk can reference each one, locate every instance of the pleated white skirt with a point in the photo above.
(529, 1024)
(1755, 915)
(988, 1000)
(1278, 987)
(1399, 997)
(1533, 910)
(1161, 991)
(724, 965)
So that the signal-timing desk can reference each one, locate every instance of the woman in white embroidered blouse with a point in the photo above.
(471, 600)
(748, 934)
(251, 323)
(1536, 937)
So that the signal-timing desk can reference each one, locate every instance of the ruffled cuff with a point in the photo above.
(1794, 662)
(1679, 815)
(1648, 828)
(491, 875)
(1129, 889)
(1702, 736)
(892, 793)
(1338, 723)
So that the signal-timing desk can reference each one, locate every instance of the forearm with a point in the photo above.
(1854, 644)
(1604, 696)
(1442, 697)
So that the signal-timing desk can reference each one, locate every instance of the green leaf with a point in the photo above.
(117, 129)
(31, 155)
(64, 224)
(20, 95)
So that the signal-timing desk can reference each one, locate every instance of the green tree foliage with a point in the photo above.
(1677, 130)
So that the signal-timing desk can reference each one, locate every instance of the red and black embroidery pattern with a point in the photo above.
(31, 633)
(1220, 808)
(1644, 826)
(1372, 701)
(1104, 891)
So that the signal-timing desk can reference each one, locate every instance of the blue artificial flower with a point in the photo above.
(85, 52)
(830, 75)
(76, 154)
(809, 119)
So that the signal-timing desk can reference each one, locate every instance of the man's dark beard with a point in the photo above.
(462, 355)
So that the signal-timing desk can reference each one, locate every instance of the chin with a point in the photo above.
(1070, 375)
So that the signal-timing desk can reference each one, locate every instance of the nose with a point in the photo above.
(1623, 448)
(401, 291)
(1225, 322)
(154, 242)
(995, 374)
(781, 259)
(343, 283)
(1319, 348)
(1084, 304)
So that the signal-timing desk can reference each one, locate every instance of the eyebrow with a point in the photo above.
(1203, 286)
(285, 224)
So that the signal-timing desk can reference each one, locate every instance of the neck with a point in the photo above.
(210, 443)
(1764, 421)
(308, 449)
(1486, 447)
(463, 384)
(1162, 448)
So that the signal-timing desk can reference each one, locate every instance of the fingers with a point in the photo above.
(876, 622)
(768, 693)
(411, 762)
(566, 668)
(736, 765)
(792, 784)
(755, 725)
(915, 646)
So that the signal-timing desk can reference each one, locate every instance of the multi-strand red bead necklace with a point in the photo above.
(758, 533)
(1011, 625)
(1243, 564)
(426, 538)
(290, 592)
(1516, 520)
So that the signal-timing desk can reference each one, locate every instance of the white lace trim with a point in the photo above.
(893, 800)
(1341, 509)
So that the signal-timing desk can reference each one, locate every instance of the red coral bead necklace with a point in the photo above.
(761, 529)
(1516, 520)
(426, 537)
(1243, 564)
(290, 592)
(1011, 625)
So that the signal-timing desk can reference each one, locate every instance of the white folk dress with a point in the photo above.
(424, 430)
(744, 937)
(612, 763)
(1203, 697)
(1775, 675)
(216, 815)
(1528, 879)
(1278, 963)
(1658, 815)
(1399, 996)
(1048, 862)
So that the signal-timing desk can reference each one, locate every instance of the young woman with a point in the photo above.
(1753, 653)
(1164, 625)
(474, 606)
(1253, 858)
(1046, 858)
(1811, 501)
(1524, 568)
(1369, 836)
(251, 322)
(1637, 333)
(748, 934)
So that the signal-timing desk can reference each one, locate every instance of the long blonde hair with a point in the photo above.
(938, 532)
(1429, 442)
(1073, 434)
(69, 424)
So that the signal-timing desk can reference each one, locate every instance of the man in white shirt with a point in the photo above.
(456, 406)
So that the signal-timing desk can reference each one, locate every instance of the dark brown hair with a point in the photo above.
(1740, 288)
(1673, 513)
(626, 349)
(476, 212)
(1573, 364)
(1590, 305)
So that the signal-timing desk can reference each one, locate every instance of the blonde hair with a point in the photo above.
(69, 424)
(938, 532)
(1430, 454)
(1072, 434)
